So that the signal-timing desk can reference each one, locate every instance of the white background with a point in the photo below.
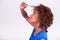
(14, 27)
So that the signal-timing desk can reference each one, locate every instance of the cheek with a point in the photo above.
(34, 19)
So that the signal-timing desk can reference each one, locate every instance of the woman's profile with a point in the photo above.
(40, 19)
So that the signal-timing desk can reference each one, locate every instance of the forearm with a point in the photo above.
(23, 12)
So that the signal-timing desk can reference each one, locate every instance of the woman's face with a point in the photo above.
(34, 16)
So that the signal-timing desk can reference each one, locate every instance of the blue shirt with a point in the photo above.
(39, 36)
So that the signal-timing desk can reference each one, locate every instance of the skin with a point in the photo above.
(33, 19)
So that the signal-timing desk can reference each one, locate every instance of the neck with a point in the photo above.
(38, 28)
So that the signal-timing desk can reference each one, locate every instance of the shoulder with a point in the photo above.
(42, 35)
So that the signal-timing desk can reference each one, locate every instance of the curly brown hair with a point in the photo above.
(45, 16)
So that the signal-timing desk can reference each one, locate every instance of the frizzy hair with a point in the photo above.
(45, 16)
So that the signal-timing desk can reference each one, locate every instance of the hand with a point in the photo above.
(23, 5)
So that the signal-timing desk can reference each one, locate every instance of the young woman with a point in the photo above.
(41, 19)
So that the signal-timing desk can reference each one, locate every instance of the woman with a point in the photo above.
(41, 19)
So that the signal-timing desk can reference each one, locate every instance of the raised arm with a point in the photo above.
(23, 12)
